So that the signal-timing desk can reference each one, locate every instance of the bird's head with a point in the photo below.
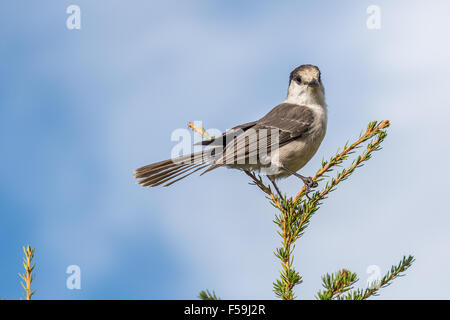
(305, 86)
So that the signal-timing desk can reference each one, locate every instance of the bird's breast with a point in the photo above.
(296, 154)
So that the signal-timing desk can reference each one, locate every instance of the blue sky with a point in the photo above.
(81, 109)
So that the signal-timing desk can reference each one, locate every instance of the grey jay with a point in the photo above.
(278, 145)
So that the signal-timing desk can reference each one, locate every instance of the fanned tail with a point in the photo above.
(164, 172)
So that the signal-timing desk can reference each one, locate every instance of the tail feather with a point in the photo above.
(176, 175)
(148, 171)
(161, 172)
(145, 170)
(168, 184)
(211, 167)
(158, 176)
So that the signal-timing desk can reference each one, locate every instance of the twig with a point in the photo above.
(200, 130)
(337, 284)
(396, 271)
(28, 276)
(372, 290)
(266, 189)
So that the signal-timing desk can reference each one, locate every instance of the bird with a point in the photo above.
(278, 145)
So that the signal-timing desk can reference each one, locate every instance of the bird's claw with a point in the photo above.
(309, 184)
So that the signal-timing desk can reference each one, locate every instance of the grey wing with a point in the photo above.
(281, 125)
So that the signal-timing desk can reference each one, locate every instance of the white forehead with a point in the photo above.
(309, 73)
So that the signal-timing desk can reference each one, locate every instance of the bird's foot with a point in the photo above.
(309, 185)
(308, 181)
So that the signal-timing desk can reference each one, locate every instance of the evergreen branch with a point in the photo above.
(28, 276)
(308, 208)
(207, 295)
(337, 284)
(394, 272)
(372, 129)
(289, 277)
(295, 214)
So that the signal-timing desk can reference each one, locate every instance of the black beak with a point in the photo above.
(313, 83)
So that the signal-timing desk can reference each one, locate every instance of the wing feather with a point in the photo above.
(281, 125)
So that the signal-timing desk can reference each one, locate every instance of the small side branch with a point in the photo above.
(28, 276)
(337, 284)
(371, 290)
(207, 295)
(200, 130)
(372, 129)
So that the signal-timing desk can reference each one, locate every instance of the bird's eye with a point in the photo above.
(298, 79)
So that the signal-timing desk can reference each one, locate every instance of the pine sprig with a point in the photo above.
(373, 288)
(336, 284)
(308, 208)
(207, 295)
(373, 128)
(342, 281)
(28, 276)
